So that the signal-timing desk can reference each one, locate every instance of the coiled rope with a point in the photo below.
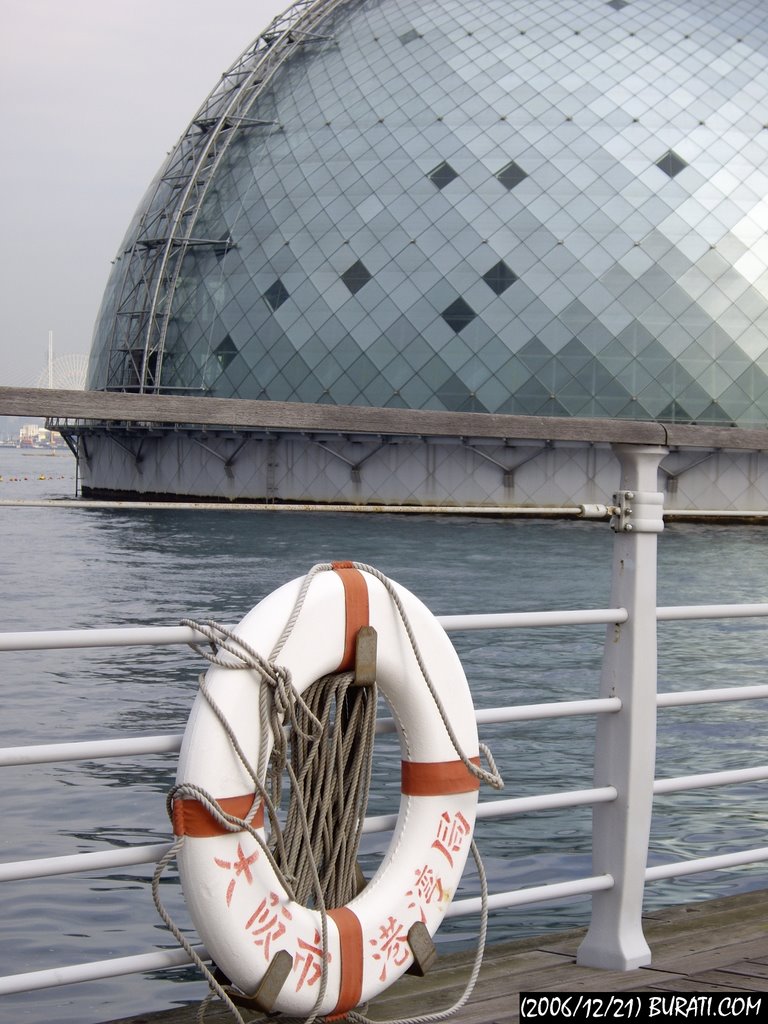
(326, 753)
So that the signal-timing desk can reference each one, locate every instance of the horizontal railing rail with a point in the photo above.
(156, 636)
(47, 753)
(97, 970)
(134, 855)
(48, 867)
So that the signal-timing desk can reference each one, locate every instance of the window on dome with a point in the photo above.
(276, 294)
(511, 174)
(442, 175)
(225, 352)
(458, 315)
(409, 36)
(671, 163)
(618, 4)
(356, 276)
(500, 277)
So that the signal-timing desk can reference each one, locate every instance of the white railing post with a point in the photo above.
(626, 742)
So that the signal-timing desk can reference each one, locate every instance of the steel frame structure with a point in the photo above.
(166, 229)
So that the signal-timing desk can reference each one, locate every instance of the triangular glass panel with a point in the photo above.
(714, 413)
(472, 404)
(553, 408)
(295, 370)
(575, 357)
(535, 355)
(674, 413)
(576, 316)
(453, 393)
(753, 382)
(362, 371)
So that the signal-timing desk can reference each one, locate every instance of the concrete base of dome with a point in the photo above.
(445, 473)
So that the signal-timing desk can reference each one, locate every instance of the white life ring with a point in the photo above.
(237, 904)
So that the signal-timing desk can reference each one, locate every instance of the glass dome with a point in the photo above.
(547, 208)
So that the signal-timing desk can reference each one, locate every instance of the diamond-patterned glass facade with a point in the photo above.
(605, 228)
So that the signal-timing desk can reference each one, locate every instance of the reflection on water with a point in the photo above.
(74, 568)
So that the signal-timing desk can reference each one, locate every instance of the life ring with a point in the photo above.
(237, 903)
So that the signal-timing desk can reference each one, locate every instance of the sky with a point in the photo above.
(93, 94)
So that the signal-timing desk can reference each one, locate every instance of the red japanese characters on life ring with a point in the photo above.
(236, 900)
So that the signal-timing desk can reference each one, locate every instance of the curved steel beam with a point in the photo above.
(151, 273)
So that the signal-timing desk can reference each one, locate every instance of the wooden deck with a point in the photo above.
(713, 946)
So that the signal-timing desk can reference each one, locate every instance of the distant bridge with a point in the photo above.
(293, 417)
(66, 372)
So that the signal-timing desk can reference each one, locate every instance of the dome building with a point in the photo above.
(504, 207)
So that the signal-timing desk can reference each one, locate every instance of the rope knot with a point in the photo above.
(283, 694)
(285, 699)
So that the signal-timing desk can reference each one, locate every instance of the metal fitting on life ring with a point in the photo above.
(237, 903)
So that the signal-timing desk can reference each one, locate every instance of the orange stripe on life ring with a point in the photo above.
(191, 818)
(355, 607)
(351, 954)
(437, 778)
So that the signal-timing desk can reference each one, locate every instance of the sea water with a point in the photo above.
(77, 567)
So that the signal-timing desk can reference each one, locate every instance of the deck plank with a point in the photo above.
(712, 955)
(713, 946)
(754, 968)
(728, 979)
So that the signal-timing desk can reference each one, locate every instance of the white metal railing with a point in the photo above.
(171, 743)
(624, 755)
